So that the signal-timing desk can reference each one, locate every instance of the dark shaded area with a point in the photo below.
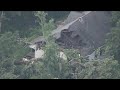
(87, 33)
(57, 15)
(66, 41)
(24, 20)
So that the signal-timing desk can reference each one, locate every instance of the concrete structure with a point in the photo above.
(36, 49)
(85, 31)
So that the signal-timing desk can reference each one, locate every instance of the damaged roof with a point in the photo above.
(38, 39)
(94, 24)
(91, 26)
(73, 19)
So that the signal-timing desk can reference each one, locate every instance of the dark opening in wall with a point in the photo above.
(33, 50)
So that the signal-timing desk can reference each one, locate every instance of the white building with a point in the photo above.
(36, 49)
(37, 52)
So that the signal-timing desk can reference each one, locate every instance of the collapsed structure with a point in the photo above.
(85, 31)
(36, 50)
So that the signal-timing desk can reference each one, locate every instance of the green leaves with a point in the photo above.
(46, 27)
(41, 17)
(105, 69)
(11, 50)
(115, 17)
(72, 54)
(113, 38)
(52, 66)
(8, 76)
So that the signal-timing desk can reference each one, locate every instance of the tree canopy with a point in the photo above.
(18, 27)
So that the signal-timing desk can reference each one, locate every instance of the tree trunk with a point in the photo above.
(0, 25)
(1, 19)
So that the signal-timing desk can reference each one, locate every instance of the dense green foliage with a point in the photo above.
(113, 40)
(23, 21)
(57, 15)
(11, 50)
(29, 25)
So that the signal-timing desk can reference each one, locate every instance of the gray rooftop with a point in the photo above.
(73, 18)
(90, 26)
(38, 39)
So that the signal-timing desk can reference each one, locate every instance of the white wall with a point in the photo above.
(33, 46)
(39, 53)
(63, 56)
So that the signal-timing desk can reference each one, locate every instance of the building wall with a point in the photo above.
(33, 46)
(39, 53)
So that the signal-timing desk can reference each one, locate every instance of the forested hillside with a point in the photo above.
(17, 28)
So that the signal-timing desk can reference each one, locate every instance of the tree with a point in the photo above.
(46, 27)
(11, 50)
(4, 17)
(106, 69)
(1, 19)
(115, 18)
(38, 70)
(57, 15)
(112, 41)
